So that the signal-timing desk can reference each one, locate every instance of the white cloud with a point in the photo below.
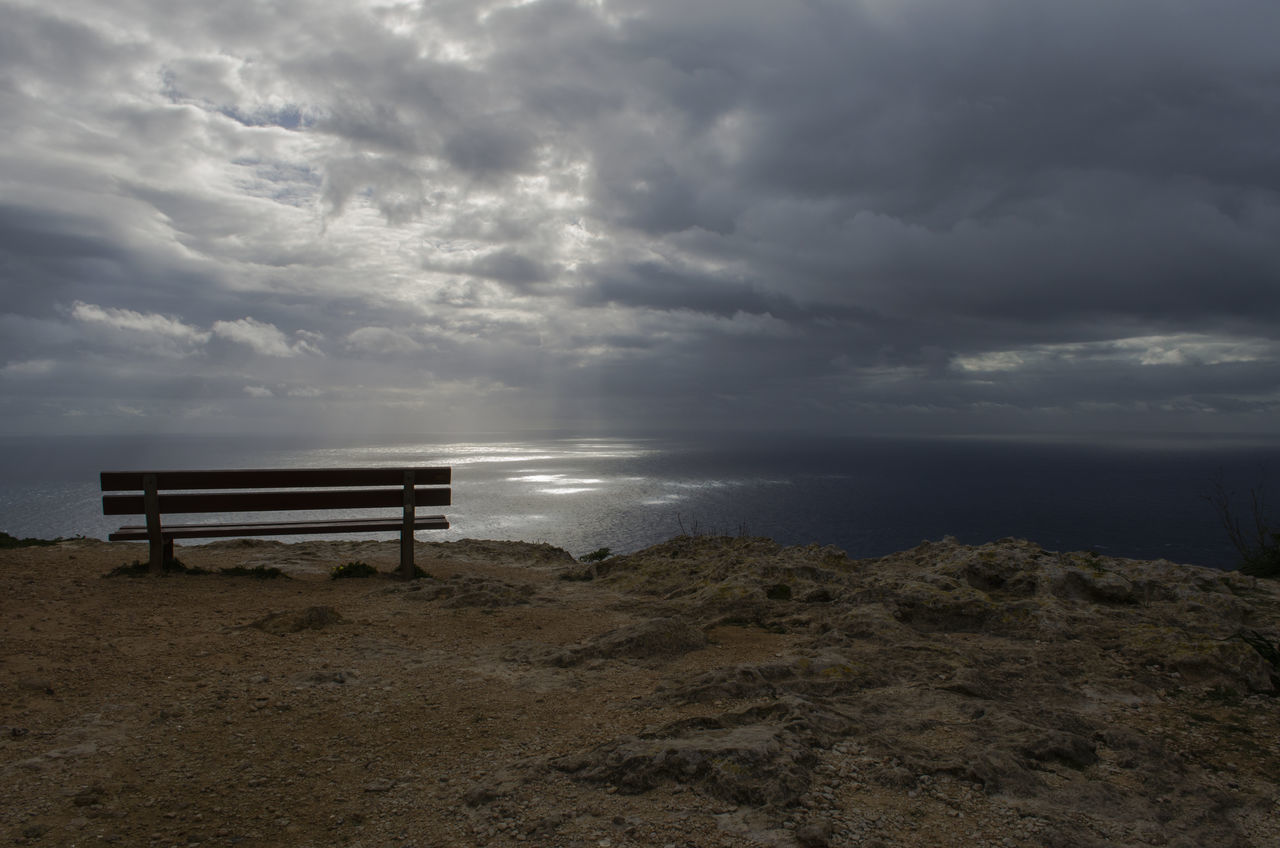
(1002, 360)
(259, 392)
(148, 327)
(263, 338)
(381, 340)
(29, 368)
(1194, 348)
(304, 345)
(1185, 349)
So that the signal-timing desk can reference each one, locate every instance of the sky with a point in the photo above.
(860, 216)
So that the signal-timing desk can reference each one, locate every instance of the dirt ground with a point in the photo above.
(702, 693)
(146, 711)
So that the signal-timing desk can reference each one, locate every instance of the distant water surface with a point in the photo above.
(868, 496)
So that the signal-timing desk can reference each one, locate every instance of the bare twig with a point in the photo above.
(1259, 556)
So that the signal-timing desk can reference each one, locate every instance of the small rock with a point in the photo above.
(36, 684)
(89, 796)
(815, 833)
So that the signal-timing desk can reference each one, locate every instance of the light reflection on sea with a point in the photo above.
(868, 496)
(580, 494)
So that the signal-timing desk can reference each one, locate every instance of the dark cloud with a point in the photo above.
(665, 287)
(395, 189)
(34, 234)
(508, 266)
(486, 148)
(867, 214)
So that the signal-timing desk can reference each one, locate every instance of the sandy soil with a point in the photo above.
(147, 711)
(496, 704)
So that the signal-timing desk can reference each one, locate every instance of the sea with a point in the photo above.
(869, 496)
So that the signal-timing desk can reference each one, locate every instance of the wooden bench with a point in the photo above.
(163, 493)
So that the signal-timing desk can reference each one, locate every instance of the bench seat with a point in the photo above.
(138, 532)
(160, 494)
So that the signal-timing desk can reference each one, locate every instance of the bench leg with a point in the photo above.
(161, 557)
(406, 557)
(406, 529)
(151, 501)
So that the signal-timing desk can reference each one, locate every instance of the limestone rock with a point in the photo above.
(466, 591)
(1021, 671)
(759, 756)
(655, 638)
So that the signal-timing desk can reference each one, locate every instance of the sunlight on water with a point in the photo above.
(707, 484)
(869, 497)
(464, 458)
(455, 454)
(561, 484)
(463, 453)
(554, 478)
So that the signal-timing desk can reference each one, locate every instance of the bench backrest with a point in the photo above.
(328, 488)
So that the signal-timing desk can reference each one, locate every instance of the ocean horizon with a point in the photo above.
(869, 496)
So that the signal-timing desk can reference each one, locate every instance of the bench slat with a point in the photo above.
(165, 493)
(274, 478)
(274, 501)
(138, 533)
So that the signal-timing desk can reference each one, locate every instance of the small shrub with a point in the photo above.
(259, 572)
(778, 592)
(1265, 562)
(596, 556)
(1268, 650)
(1093, 561)
(7, 541)
(352, 569)
(142, 569)
(695, 530)
(1258, 542)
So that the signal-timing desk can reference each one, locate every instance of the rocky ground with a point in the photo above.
(703, 692)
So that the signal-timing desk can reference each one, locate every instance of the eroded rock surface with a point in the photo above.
(1115, 701)
(656, 638)
(705, 691)
(465, 591)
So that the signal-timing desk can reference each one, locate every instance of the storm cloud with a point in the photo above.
(851, 215)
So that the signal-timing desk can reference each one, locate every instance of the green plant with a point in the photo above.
(352, 569)
(596, 556)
